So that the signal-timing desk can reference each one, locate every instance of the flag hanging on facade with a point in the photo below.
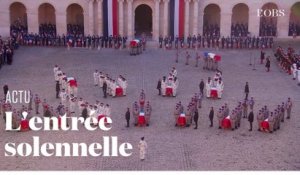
(110, 17)
(177, 18)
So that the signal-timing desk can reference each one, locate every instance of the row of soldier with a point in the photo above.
(274, 118)
(108, 84)
(71, 40)
(289, 61)
(230, 42)
(6, 51)
(241, 111)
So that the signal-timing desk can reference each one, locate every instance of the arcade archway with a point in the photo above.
(211, 20)
(240, 19)
(268, 24)
(294, 25)
(75, 19)
(143, 20)
(18, 17)
(47, 19)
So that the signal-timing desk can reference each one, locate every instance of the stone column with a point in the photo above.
(91, 17)
(283, 24)
(121, 17)
(4, 23)
(196, 17)
(165, 19)
(156, 21)
(253, 24)
(186, 18)
(225, 24)
(61, 22)
(32, 21)
(201, 18)
(100, 17)
(130, 20)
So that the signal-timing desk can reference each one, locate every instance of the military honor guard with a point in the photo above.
(96, 77)
(142, 148)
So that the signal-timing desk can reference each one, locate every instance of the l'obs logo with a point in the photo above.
(270, 13)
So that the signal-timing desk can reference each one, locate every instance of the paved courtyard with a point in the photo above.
(170, 148)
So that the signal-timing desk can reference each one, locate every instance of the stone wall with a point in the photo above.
(92, 11)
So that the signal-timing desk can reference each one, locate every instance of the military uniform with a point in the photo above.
(271, 120)
(176, 113)
(188, 116)
(148, 113)
(260, 118)
(289, 105)
(245, 109)
(220, 118)
(37, 102)
(233, 121)
(96, 78)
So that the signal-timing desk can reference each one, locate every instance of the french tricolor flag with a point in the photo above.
(177, 18)
(110, 17)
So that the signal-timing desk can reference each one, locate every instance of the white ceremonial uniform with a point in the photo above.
(142, 147)
(208, 87)
(174, 73)
(120, 82)
(107, 111)
(100, 110)
(294, 70)
(94, 115)
(56, 76)
(220, 87)
(113, 89)
(55, 69)
(59, 76)
(125, 84)
(163, 87)
(175, 86)
(101, 79)
(96, 78)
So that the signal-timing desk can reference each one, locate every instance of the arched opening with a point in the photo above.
(18, 18)
(211, 20)
(47, 19)
(268, 23)
(143, 20)
(75, 19)
(240, 19)
(294, 25)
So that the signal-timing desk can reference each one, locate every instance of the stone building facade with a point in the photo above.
(151, 15)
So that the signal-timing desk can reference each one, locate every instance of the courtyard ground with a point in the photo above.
(170, 148)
